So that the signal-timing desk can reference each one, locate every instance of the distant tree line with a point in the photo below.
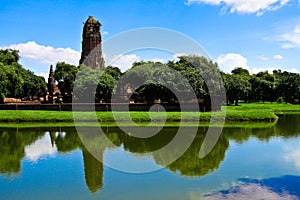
(17, 82)
(195, 72)
(263, 86)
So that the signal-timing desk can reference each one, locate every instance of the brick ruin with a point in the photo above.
(91, 54)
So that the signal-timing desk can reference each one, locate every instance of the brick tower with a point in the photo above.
(91, 54)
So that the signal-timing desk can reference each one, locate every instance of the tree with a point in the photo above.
(153, 81)
(237, 88)
(263, 87)
(105, 87)
(288, 85)
(240, 71)
(9, 56)
(203, 75)
(15, 81)
(65, 75)
(93, 85)
(115, 72)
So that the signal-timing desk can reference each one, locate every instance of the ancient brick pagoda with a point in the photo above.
(53, 93)
(91, 54)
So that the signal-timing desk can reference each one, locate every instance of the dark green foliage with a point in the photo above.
(65, 75)
(15, 81)
(288, 86)
(9, 56)
(240, 85)
(240, 71)
(237, 87)
(115, 72)
(105, 87)
(93, 83)
(189, 78)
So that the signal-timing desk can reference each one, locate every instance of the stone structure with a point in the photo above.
(53, 93)
(91, 54)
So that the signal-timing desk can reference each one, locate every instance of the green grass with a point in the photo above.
(254, 112)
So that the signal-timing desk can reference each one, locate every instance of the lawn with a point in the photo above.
(254, 112)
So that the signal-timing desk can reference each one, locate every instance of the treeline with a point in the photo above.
(17, 82)
(263, 86)
(164, 82)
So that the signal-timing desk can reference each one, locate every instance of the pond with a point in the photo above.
(246, 163)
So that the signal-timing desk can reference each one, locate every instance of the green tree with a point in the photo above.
(115, 72)
(288, 85)
(203, 74)
(15, 81)
(65, 75)
(105, 87)
(237, 88)
(263, 87)
(240, 71)
(9, 56)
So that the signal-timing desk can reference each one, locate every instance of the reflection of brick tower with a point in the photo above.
(91, 54)
(93, 171)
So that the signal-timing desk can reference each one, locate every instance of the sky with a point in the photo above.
(257, 35)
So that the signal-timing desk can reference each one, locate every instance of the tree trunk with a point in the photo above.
(236, 102)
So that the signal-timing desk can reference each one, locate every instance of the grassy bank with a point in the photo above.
(254, 112)
(155, 124)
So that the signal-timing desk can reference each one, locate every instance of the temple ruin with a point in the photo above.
(91, 54)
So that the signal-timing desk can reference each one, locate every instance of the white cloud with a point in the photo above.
(255, 70)
(157, 59)
(287, 46)
(124, 62)
(45, 75)
(46, 54)
(278, 57)
(294, 70)
(230, 61)
(105, 33)
(179, 55)
(40, 149)
(292, 38)
(263, 58)
(244, 6)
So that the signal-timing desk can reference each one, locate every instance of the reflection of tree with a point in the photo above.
(144, 145)
(67, 142)
(13, 142)
(189, 164)
(288, 125)
(12, 145)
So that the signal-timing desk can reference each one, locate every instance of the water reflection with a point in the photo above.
(278, 188)
(42, 147)
(33, 143)
(12, 148)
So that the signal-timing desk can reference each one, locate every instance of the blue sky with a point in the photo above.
(254, 34)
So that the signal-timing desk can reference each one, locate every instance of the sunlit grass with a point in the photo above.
(254, 112)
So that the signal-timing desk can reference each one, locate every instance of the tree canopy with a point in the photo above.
(17, 82)
(150, 81)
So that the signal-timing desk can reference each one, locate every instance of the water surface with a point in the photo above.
(246, 163)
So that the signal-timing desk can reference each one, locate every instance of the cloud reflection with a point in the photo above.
(293, 155)
(276, 188)
(250, 191)
(40, 149)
